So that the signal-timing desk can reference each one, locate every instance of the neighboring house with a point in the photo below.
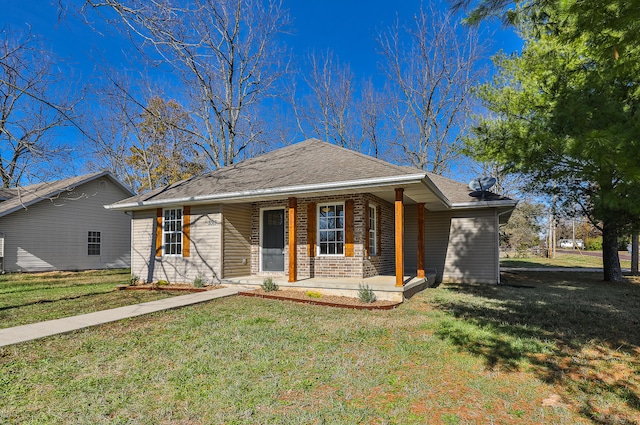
(315, 215)
(63, 225)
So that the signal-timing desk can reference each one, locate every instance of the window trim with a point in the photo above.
(343, 228)
(373, 230)
(93, 243)
(180, 232)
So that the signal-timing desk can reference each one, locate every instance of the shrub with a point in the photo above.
(366, 294)
(314, 294)
(133, 280)
(593, 244)
(200, 281)
(268, 285)
(162, 282)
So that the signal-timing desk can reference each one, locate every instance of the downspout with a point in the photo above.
(497, 214)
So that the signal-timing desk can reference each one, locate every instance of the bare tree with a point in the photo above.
(227, 55)
(147, 142)
(328, 110)
(34, 106)
(431, 66)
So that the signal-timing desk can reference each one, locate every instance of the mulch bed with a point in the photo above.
(326, 300)
(170, 287)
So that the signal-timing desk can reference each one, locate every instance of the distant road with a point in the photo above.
(624, 255)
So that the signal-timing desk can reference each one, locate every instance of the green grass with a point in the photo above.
(457, 354)
(34, 297)
(561, 260)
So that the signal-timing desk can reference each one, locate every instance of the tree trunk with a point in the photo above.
(610, 258)
(634, 253)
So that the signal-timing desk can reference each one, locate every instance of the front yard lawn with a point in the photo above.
(546, 348)
(34, 297)
(561, 260)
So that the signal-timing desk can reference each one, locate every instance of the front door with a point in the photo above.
(273, 240)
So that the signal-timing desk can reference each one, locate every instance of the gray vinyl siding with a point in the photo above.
(237, 240)
(410, 239)
(205, 256)
(52, 234)
(461, 246)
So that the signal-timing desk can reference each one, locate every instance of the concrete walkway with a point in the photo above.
(52, 327)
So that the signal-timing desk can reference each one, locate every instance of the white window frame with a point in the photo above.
(166, 232)
(91, 242)
(373, 230)
(337, 229)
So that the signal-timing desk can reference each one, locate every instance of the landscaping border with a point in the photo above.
(316, 302)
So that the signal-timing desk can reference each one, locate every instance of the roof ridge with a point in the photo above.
(368, 157)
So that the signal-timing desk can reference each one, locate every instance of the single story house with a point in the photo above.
(62, 225)
(315, 215)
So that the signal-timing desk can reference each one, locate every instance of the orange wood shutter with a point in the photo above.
(348, 228)
(159, 232)
(311, 229)
(366, 228)
(186, 231)
(379, 230)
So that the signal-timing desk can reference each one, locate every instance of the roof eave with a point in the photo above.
(273, 192)
(484, 204)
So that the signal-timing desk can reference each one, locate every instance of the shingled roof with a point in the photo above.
(309, 167)
(24, 196)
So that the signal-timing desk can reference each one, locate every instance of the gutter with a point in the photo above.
(278, 191)
(483, 204)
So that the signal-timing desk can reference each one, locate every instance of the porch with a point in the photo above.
(383, 286)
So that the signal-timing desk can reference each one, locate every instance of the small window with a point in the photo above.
(172, 231)
(331, 229)
(93, 243)
(373, 231)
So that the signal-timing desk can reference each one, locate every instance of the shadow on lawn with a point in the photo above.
(55, 300)
(574, 329)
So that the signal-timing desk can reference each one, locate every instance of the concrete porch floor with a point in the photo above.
(383, 286)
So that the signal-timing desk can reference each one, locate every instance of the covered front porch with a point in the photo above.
(383, 286)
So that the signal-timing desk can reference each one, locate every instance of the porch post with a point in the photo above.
(399, 237)
(421, 240)
(293, 239)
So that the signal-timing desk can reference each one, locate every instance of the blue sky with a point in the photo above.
(346, 27)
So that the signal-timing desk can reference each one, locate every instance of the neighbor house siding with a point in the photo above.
(205, 257)
(237, 240)
(52, 234)
(461, 246)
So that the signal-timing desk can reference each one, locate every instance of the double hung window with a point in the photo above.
(331, 229)
(172, 231)
(373, 231)
(93, 243)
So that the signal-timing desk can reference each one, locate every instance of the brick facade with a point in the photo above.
(331, 265)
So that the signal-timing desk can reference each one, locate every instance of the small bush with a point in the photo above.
(314, 294)
(593, 244)
(200, 281)
(268, 285)
(133, 280)
(366, 294)
(162, 282)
